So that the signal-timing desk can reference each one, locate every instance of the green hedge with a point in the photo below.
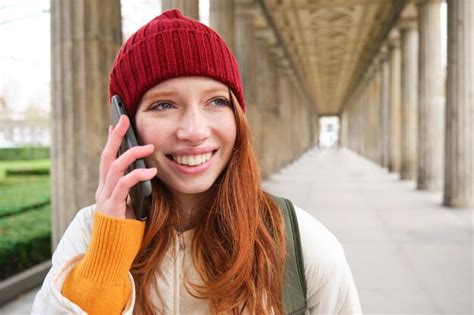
(18, 171)
(33, 192)
(27, 172)
(25, 216)
(24, 153)
(25, 240)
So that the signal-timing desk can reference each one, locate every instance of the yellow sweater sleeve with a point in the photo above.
(99, 284)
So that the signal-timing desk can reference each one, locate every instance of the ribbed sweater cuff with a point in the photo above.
(113, 247)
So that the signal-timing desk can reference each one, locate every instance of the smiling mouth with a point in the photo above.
(191, 160)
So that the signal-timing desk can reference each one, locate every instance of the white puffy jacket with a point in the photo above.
(331, 288)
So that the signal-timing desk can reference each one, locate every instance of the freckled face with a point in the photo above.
(191, 122)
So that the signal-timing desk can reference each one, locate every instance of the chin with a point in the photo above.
(189, 187)
(193, 190)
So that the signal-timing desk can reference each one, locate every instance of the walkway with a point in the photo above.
(407, 253)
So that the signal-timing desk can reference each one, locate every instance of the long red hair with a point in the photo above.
(238, 245)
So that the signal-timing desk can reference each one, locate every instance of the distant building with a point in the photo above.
(329, 134)
(23, 129)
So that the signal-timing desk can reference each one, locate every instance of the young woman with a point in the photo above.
(214, 242)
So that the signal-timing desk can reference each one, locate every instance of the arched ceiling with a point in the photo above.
(331, 42)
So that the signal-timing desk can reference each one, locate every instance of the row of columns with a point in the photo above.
(275, 100)
(83, 52)
(422, 136)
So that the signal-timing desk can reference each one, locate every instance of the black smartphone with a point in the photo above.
(140, 194)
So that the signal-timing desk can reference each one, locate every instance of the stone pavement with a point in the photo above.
(408, 254)
(21, 305)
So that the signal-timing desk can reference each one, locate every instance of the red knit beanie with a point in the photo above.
(169, 46)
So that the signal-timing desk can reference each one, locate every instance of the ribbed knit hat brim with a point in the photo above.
(169, 46)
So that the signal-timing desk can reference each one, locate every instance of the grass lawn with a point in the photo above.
(26, 193)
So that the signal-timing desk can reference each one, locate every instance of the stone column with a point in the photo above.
(395, 98)
(356, 123)
(293, 95)
(265, 97)
(315, 128)
(430, 98)
(222, 19)
(348, 117)
(343, 132)
(285, 110)
(378, 100)
(190, 8)
(353, 124)
(346, 125)
(366, 117)
(370, 128)
(365, 106)
(409, 36)
(378, 153)
(82, 54)
(306, 123)
(385, 107)
(459, 152)
(302, 120)
(374, 116)
(360, 121)
(273, 111)
(247, 60)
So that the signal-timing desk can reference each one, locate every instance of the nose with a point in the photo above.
(194, 127)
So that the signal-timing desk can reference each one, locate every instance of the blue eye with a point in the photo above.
(220, 101)
(162, 106)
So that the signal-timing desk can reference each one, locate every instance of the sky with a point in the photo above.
(25, 46)
(25, 52)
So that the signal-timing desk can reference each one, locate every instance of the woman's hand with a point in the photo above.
(114, 186)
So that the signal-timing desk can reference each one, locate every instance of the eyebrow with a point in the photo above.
(168, 93)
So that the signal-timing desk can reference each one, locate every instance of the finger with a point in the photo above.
(119, 166)
(109, 153)
(122, 189)
(101, 169)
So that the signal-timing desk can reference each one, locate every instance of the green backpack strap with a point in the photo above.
(294, 285)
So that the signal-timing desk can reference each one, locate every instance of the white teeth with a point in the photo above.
(192, 160)
(197, 160)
